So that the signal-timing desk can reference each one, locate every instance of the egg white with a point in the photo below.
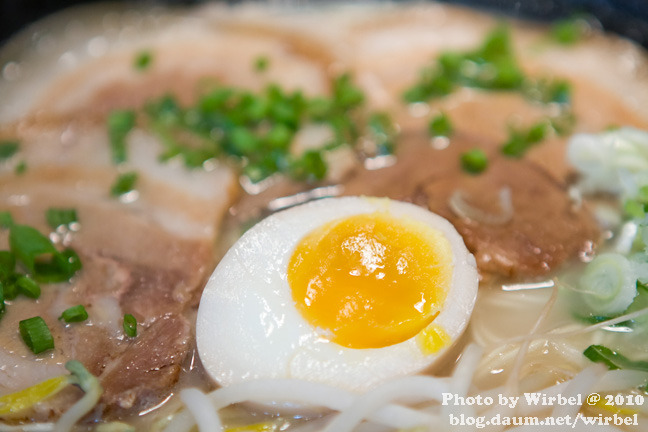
(249, 328)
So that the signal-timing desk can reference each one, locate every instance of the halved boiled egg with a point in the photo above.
(344, 291)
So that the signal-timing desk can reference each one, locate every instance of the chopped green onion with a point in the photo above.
(120, 124)
(256, 129)
(8, 149)
(2, 299)
(124, 184)
(36, 334)
(612, 359)
(130, 325)
(563, 123)
(61, 268)
(311, 166)
(548, 91)
(71, 261)
(569, 31)
(21, 168)
(491, 66)
(521, 140)
(29, 245)
(28, 286)
(609, 284)
(638, 206)
(261, 63)
(143, 60)
(345, 94)
(6, 220)
(7, 264)
(40, 256)
(474, 161)
(635, 209)
(440, 125)
(74, 314)
(383, 132)
(60, 216)
(10, 288)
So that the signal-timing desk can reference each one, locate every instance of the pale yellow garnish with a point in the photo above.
(256, 427)
(23, 399)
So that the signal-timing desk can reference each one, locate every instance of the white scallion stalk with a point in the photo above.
(614, 161)
(609, 284)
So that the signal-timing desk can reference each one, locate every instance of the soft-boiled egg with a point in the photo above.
(344, 291)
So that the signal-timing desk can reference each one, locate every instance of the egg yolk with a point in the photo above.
(371, 280)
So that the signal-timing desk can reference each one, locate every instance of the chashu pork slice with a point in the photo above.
(93, 69)
(146, 253)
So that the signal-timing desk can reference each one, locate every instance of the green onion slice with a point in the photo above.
(120, 124)
(74, 314)
(10, 287)
(143, 60)
(21, 168)
(60, 216)
(474, 161)
(440, 126)
(8, 149)
(125, 183)
(7, 264)
(2, 299)
(36, 334)
(261, 63)
(130, 325)
(6, 220)
(612, 359)
(28, 286)
(40, 256)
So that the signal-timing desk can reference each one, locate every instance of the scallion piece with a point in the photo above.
(474, 161)
(345, 94)
(492, 66)
(8, 149)
(548, 91)
(440, 125)
(36, 334)
(21, 168)
(608, 286)
(40, 256)
(28, 286)
(7, 264)
(74, 314)
(612, 359)
(30, 246)
(130, 325)
(521, 140)
(120, 124)
(2, 299)
(261, 63)
(311, 166)
(6, 220)
(9, 287)
(569, 31)
(61, 216)
(124, 184)
(383, 132)
(143, 60)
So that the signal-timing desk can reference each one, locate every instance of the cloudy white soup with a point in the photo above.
(376, 217)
